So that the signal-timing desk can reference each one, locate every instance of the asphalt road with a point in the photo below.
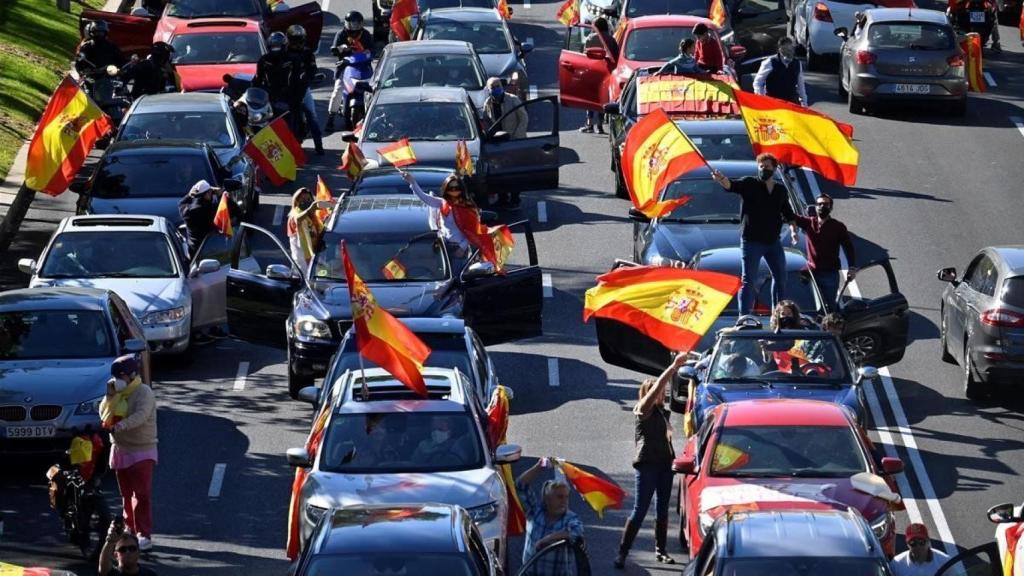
(931, 191)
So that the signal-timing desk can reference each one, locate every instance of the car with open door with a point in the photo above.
(135, 33)
(990, 559)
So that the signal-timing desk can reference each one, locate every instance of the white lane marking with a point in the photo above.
(546, 281)
(989, 79)
(278, 214)
(889, 444)
(542, 211)
(217, 481)
(533, 92)
(812, 183)
(1019, 123)
(326, 6)
(553, 372)
(243, 371)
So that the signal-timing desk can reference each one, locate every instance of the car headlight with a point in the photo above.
(164, 316)
(308, 327)
(485, 513)
(881, 525)
(314, 513)
(704, 523)
(89, 407)
(662, 261)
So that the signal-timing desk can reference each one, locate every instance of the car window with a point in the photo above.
(1013, 291)
(915, 35)
(723, 146)
(384, 258)
(121, 330)
(396, 562)
(983, 278)
(216, 247)
(706, 203)
(757, 7)
(115, 254)
(810, 451)
(426, 5)
(446, 351)
(636, 8)
(213, 8)
(655, 44)
(157, 175)
(704, 436)
(429, 121)
(816, 358)
(798, 289)
(486, 37)
(217, 48)
(41, 334)
(257, 251)
(415, 70)
(212, 128)
(797, 566)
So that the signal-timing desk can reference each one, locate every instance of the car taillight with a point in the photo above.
(865, 57)
(1002, 318)
(956, 60)
(821, 12)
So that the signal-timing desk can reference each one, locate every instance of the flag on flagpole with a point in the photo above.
(504, 9)
(971, 47)
(399, 154)
(277, 152)
(569, 13)
(401, 18)
(222, 217)
(716, 13)
(598, 492)
(497, 428)
(463, 161)
(316, 434)
(352, 161)
(656, 153)
(323, 193)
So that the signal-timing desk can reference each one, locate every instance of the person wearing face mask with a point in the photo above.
(450, 213)
(443, 448)
(496, 106)
(197, 209)
(824, 236)
(304, 226)
(782, 75)
(764, 206)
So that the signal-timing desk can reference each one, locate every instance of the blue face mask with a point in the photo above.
(497, 92)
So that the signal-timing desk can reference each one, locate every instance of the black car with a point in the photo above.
(757, 26)
(267, 291)
(388, 180)
(150, 177)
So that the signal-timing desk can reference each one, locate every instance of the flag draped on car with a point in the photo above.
(716, 13)
(497, 428)
(352, 161)
(316, 434)
(277, 152)
(323, 193)
(675, 306)
(67, 131)
(463, 161)
(399, 154)
(598, 492)
(971, 47)
(655, 153)
(222, 217)
(401, 18)
(800, 136)
(569, 13)
(695, 95)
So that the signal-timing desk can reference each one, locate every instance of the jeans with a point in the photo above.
(136, 486)
(775, 258)
(828, 282)
(312, 122)
(652, 479)
(595, 118)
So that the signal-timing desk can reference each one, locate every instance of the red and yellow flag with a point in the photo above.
(277, 152)
(352, 161)
(971, 47)
(1020, 26)
(1013, 537)
(569, 13)
(503, 243)
(675, 306)
(463, 161)
(401, 18)
(598, 492)
(620, 30)
(497, 428)
(222, 217)
(728, 458)
(494, 243)
(316, 434)
(67, 131)
(504, 9)
(381, 338)
(657, 152)
(716, 13)
(399, 154)
(698, 94)
(323, 193)
(800, 136)
(393, 270)
(13, 570)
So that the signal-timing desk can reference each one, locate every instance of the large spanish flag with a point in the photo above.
(657, 152)
(716, 13)
(222, 217)
(800, 136)
(695, 94)
(675, 306)
(352, 161)
(598, 492)
(316, 434)
(569, 13)
(399, 154)
(277, 152)
(381, 338)
(494, 243)
(67, 131)
(971, 47)
(401, 18)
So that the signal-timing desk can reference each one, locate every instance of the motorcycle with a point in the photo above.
(75, 493)
(977, 16)
(253, 107)
(106, 90)
(355, 70)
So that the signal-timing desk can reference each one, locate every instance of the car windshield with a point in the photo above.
(802, 566)
(429, 121)
(39, 334)
(217, 48)
(719, 146)
(655, 44)
(384, 258)
(401, 442)
(157, 175)
(913, 35)
(392, 563)
(486, 37)
(371, 188)
(213, 8)
(1013, 291)
(119, 254)
(813, 359)
(771, 451)
(708, 202)
(415, 70)
(212, 128)
(798, 289)
(636, 8)
(425, 5)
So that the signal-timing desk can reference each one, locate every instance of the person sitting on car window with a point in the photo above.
(684, 63)
(708, 51)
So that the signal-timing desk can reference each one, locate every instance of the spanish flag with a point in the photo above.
(67, 131)
(393, 270)
(675, 306)
(277, 152)
(381, 338)
(971, 47)
(598, 492)
(316, 434)
(399, 154)
(716, 13)
(222, 217)
(503, 243)
(401, 18)
(620, 30)
(352, 161)
(13, 570)
(494, 243)
(463, 161)
(497, 427)
(504, 10)
(657, 152)
(800, 136)
(323, 193)
(695, 94)
(569, 13)
(728, 458)
(1013, 536)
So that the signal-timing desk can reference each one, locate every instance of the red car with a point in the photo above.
(782, 454)
(135, 34)
(589, 77)
(205, 49)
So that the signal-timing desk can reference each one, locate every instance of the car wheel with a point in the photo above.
(839, 82)
(856, 104)
(974, 388)
(862, 345)
(297, 382)
(943, 343)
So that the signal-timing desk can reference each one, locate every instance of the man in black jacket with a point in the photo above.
(279, 72)
(152, 75)
(97, 52)
(297, 47)
(782, 75)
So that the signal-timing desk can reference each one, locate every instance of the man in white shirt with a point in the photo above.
(921, 559)
(782, 75)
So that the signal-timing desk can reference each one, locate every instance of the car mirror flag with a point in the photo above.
(277, 152)
(598, 492)
(323, 194)
(401, 18)
(504, 10)
(569, 13)
(655, 153)
(463, 161)
(316, 434)
(675, 306)
(222, 217)
(971, 47)
(399, 154)
(66, 133)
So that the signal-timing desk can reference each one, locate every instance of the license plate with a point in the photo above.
(31, 432)
(912, 88)
(977, 17)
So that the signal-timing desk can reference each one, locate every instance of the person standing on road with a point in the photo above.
(97, 51)
(825, 235)
(709, 50)
(548, 519)
(782, 75)
(764, 206)
(652, 464)
(600, 37)
(124, 547)
(279, 72)
(921, 559)
(685, 63)
(297, 46)
(128, 411)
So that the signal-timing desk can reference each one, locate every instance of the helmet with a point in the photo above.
(354, 20)
(277, 42)
(97, 29)
(161, 51)
(127, 364)
(296, 35)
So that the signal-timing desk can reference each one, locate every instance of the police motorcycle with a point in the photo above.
(249, 104)
(355, 69)
(1003, 557)
(105, 88)
(978, 16)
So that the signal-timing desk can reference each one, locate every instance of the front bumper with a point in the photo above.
(65, 426)
(876, 87)
(171, 338)
(310, 358)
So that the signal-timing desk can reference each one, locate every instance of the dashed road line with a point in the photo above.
(546, 281)
(989, 79)
(278, 214)
(1018, 123)
(243, 372)
(217, 481)
(542, 211)
(553, 372)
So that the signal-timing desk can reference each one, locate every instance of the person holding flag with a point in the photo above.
(304, 226)
(547, 519)
(599, 37)
(198, 209)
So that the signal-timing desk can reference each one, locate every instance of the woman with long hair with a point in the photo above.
(304, 226)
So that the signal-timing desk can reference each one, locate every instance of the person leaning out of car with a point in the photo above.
(652, 464)
(304, 227)
(197, 209)
(708, 51)
(123, 547)
(782, 75)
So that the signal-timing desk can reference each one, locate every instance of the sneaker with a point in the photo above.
(145, 544)
(600, 129)
(587, 129)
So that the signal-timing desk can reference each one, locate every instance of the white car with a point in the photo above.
(813, 24)
(141, 259)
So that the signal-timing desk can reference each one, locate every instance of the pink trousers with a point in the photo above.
(136, 484)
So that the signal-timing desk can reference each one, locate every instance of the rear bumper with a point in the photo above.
(875, 87)
(997, 371)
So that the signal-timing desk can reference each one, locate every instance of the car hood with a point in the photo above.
(466, 488)
(195, 77)
(680, 242)
(53, 381)
(436, 154)
(166, 207)
(498, 65)
(143, 295)
(721, 494)
(412, 299)
(737, 392)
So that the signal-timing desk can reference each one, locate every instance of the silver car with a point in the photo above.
(900, 54)
(141, 259)
(383, 444)
(432, 63)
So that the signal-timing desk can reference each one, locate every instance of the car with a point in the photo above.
(204, 118)
(387, 180)
(756, 26)
(610, 10)
(375, 450)
(134, 34)
(589, 76)
(981, 319)
(781, 454)
(56, 349)
(382, 13)
(436, 119)
(271, 300)
(790, 542)
(205, 49)
(998, 557)
(898, 55)
(638, 8)
(501, 54)
(149, 177)
(432, 63)
(813, 24)
(142, 259)
(426, 538)
(710, 219)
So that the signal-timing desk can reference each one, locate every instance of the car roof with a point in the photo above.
(731, 168)
(430, 47)
(728, 260)
(421, 528)
(118, 222)
(146, 147)
(422, 94)
(181, 102)
(783, 412)
(391, 175)
(206, 25)
(444, 387)
(702, 127)
(60, 298)
(473, 14)
(673, 20)
(1012, 256)
(765, 534)
(876, 15)
(403, 214)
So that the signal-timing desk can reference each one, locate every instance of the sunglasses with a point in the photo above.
(125, 549)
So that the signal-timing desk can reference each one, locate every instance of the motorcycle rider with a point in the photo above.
(352, 45)
(97, 52)
(279, 72)
(152, 75)
(297, 46)
(959, 14)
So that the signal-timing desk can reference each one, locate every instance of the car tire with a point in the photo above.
(974, 388)
(943, 343)
(839, 83)
(856, 104)
(860, 345)
(297, 382)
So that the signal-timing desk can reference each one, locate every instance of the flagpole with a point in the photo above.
(365, 390)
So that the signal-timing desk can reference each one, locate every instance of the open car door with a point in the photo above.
(308, 15)
(876, 316)
(132, 34)
(527, 163)
(980, 561)
(583, 72)
(505, 306)
(260, 285)
(209, 286)
(561, 557)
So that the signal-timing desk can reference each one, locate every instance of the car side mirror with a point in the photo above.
(134, 345)
(892, 465)
(685, 464)
(77, 186)
(500, 136)
(812, 211)
(348, 136)
(27, 265)
(232, 184)
(947, 275)
(737, 52)
(866, 373)
(525, 48)
(310, 394)
(488, 216)
(842, 32)
(611, 108)
(637, 216)
(507, 454)
(279, 272)
(298, 458)
(1001, 514)
(596, 53)
(687, 372)
(478, 270)
(207, 265)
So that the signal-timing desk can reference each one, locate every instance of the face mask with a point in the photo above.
(439, 436)
(787, 55)
(765, 173)
(824, 211)
(120, 385)
(497, 92)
